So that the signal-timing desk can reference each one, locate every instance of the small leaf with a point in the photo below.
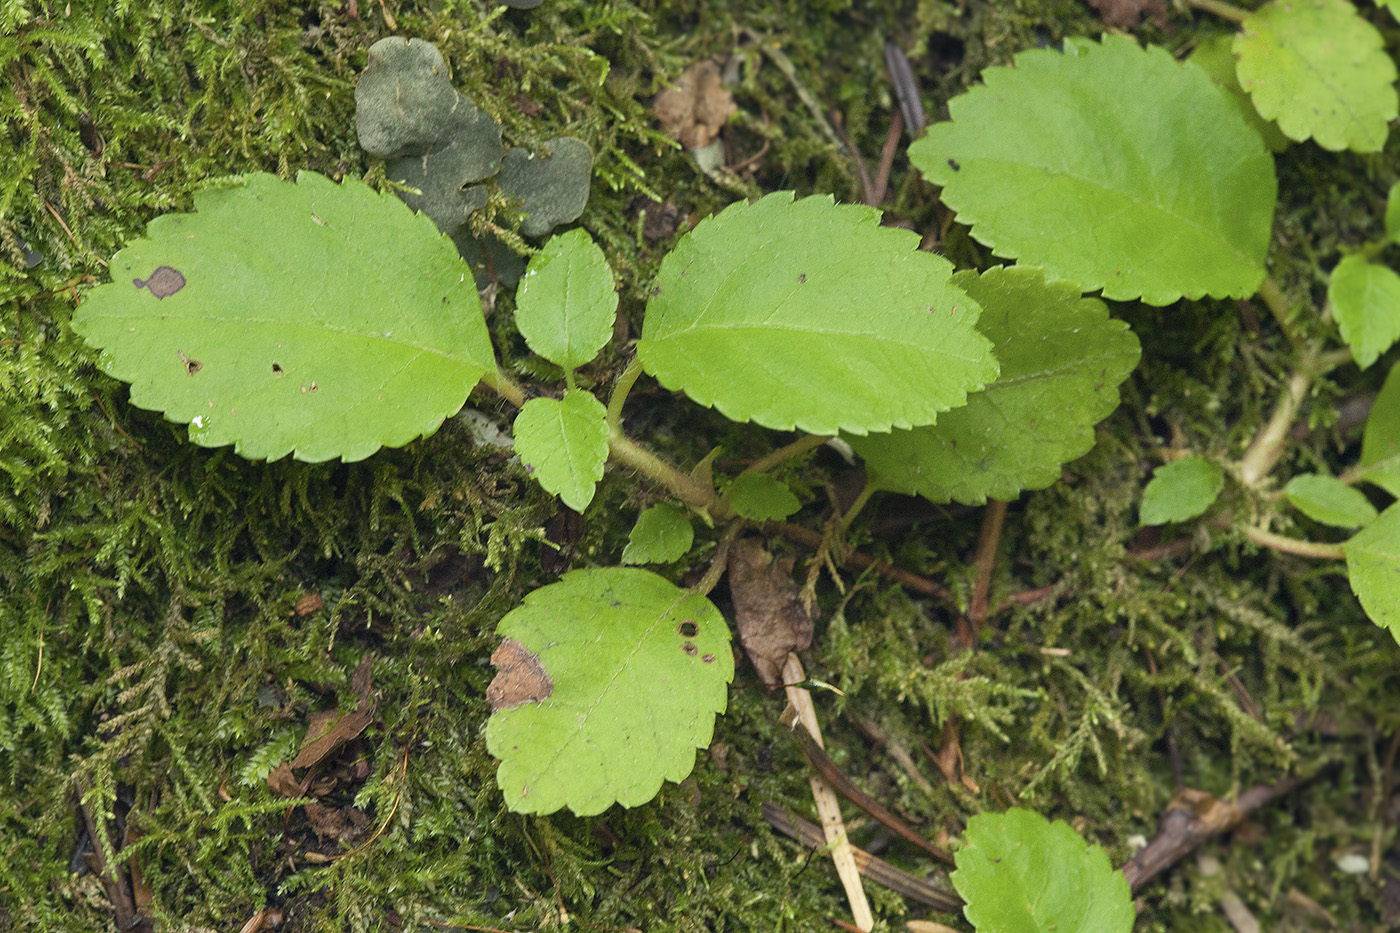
(1373, 567)
(1365, 298)
(1180, 490)
(1213, 56)
(565, 443)
(1062, 359)
(566, 305)
(1380, 443)
(811, 315)
(638, 670)
(1330, 501)
(1111, 166)
(316, 319)
(1020, 873)
(1392, 210)
(1321, 71)
(663, 533)
(761, 498)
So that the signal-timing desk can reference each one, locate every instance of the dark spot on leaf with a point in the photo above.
(520, 677)
(655, 290)
(276, 369)
(953, 164)
(163, 283)
(689, 628)
(689, 648)
(311, 388)
(708, 658)
(801, 278)
(192, 366)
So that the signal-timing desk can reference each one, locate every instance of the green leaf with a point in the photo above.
(761, 498)
(566, 305)
(811, 315)
(565, 443)
(639, 669)
(1180, 490)
(1380, 443)
(1373, 567)
(1330, 501)
(1020, 873)
(1213, 56)
(1062, 359)
(1392, 209)
(1321, 71)
(1112, 166)
(662, 534)
(316, 319)
(1365, 298)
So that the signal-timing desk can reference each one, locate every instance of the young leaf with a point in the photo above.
(565, 443)
(566, 304)
(1321, 71)
(1062, 359)
(1373, 567)
(638, 670)
(1112, 166)
(1392, 211)
(1380, 443)
(1365, 298)
(319, 319)
(1020, 873)
(662, 534)
(761, 498)
(811, 315)
(1180, 490)
(1213, 56)
(1330, 501)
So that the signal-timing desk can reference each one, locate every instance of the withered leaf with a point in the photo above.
(283, 782)
(768, 608)
(329, 730)
(520, 677)
(696, 106)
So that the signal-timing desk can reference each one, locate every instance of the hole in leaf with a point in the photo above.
(192, 365)
(276, 369)
(689, 628)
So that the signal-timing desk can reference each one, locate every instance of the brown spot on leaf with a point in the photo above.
(520, 677)
(192, 366)
(689, 628)
(690, 649)
(277, 369)
(163, 283)
(768, 608)
(801, 278)
(708, 658)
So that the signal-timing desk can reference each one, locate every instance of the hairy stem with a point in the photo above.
(864, 497)
(796, 449)
(1278, 306)
(505, 387)
(1220, 8)
(689, 490)
(621, 389)
(1268, 445)
(1294, 545)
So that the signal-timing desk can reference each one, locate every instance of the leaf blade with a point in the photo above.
(565, 303)
(1181, 490)
(565, 441)
(1365, 298)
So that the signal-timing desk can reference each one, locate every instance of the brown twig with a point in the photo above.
(984, 559)
(887, 153)
(115, 881)
(876, 869)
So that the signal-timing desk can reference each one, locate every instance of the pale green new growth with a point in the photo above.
(810, 315)
(1365, 298)
(1373, 567)
(761, 498)
(1181, 490)
(1319, 70)
(1213, 56)
(639, 670)
(1020, 873)
(566, 304)
(1062, 359)
(1330, 501)
(663, 533)
(1111, 166)
(315, 319)
(565, 443)
(1380, 443)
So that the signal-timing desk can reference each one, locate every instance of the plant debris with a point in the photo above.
(768, 608)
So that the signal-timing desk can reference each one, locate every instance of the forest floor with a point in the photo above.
(172, 617)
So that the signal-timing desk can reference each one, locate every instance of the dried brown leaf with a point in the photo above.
(696, 106)
(768, 608)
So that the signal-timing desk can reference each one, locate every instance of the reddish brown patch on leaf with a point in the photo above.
(690, 649)
(520, 677)
(768, 608)
(708, 659)
(163, 283)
